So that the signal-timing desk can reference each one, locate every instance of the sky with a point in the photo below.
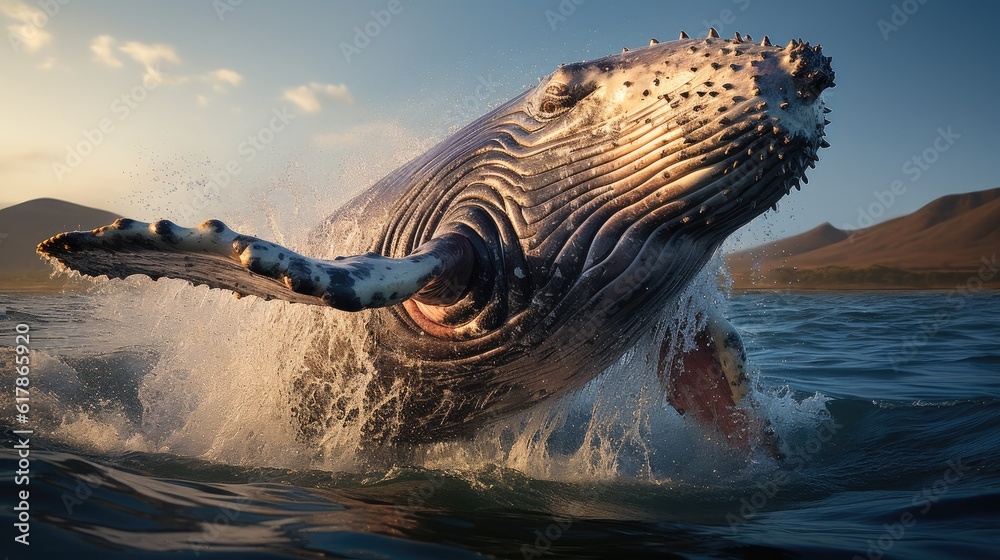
(192, 110)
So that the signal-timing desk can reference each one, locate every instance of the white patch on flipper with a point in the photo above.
(731, 353)
(350, 283)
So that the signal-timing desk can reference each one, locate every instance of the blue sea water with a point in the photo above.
(159, 431)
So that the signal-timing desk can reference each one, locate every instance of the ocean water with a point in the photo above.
(165, 425)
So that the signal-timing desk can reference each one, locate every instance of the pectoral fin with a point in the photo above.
(214, 255)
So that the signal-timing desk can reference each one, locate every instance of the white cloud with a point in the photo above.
(222, 78)
(148, 54)
(48, 64)
(307, 97)
(151, 56)
(27, 31)
(102, 48)
(202, 100)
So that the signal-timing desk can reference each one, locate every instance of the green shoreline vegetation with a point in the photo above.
(836, 278)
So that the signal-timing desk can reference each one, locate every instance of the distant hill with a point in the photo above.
(816, 238)
(23, 226)
(938, 246)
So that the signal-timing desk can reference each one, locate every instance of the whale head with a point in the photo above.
(700, 132)
(623, 173)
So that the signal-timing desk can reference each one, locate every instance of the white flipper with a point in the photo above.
(214, 255)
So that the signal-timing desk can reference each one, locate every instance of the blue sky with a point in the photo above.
(306, 112)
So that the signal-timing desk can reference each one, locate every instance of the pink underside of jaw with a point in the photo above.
(698, 389)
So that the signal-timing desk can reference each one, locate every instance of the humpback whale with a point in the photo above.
(522, 256)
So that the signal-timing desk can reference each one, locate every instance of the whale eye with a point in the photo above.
(560, 92)
(550, 106)
(554, 101)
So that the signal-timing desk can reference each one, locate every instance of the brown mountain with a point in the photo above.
(938, 246)
(24, 225)
(816, 238)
